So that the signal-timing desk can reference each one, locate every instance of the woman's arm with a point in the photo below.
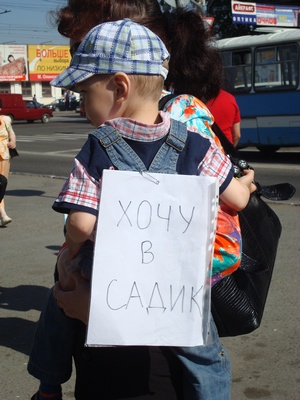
(236, 133)
(237, 193)
(11, 136)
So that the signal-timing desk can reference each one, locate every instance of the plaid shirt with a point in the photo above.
(81, 191)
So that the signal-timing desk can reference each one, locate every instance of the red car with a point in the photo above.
(14, 106)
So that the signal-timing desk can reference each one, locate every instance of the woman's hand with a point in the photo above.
(248, 179)
(11, 144)
(75, 303)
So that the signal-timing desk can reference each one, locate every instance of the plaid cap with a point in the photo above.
(120, 46)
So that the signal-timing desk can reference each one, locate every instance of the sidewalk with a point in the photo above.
(29, 246)
(265, 363)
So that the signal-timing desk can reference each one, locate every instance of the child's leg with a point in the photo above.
(207, 370)
(51, 356)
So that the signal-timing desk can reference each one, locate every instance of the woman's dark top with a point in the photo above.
(117, 373)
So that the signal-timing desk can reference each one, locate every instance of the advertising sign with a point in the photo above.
(288, 16)
(47, 61)
(243, 13)
(13, 62)
(265, 14)
(152, 262)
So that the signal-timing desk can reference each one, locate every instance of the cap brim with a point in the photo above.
(70, 77)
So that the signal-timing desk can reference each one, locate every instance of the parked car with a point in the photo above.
(31, 104)
(14, 106)
(59, 105)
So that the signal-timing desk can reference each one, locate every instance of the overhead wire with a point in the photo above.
(28, 33)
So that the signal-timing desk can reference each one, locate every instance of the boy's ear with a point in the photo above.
(122, 86)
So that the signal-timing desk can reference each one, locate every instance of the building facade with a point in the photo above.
(28, 70)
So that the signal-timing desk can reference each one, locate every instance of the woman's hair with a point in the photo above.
(195, 65)
(79, 16)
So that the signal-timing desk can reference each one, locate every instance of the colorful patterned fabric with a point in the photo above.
(228, 242)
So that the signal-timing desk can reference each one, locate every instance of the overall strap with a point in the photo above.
(120, 153)
(124, 158)
(167, 156)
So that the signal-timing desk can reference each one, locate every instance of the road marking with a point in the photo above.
(275, 166)
(59, 153)
(51, 138)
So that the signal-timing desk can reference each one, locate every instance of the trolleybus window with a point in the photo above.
(276, 68)
(237, 69)
(263, 73)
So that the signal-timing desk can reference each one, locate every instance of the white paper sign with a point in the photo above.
(152, 263)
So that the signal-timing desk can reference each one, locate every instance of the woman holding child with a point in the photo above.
(142, 372)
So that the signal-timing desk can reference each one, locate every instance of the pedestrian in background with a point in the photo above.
(67, 99)
(7, 141)
(34, 100)
(73, 101)
(226, 112)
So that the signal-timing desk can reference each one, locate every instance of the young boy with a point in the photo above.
(119, 70)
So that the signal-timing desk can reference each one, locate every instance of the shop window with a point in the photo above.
(46, 89)
(26, 89)
(5, 87)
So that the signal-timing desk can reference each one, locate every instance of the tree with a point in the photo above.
(220, 10)
(223, 26)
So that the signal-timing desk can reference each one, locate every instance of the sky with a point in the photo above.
(25, 22)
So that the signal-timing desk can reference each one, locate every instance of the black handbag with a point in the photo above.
(238, 300)
(13, 153)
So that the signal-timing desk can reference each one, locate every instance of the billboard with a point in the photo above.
(47, 61)
(265, 14)
(243, 13)
(13, 62)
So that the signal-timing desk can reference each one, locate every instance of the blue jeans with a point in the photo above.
(207, 370)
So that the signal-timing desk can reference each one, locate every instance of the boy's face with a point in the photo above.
(97, 99)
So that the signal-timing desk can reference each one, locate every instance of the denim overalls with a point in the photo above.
(207, 373)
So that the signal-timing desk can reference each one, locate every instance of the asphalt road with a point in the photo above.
(49, 149)
(265, 363)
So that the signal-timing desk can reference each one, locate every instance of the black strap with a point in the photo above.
(227, 145)
(164, 100)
